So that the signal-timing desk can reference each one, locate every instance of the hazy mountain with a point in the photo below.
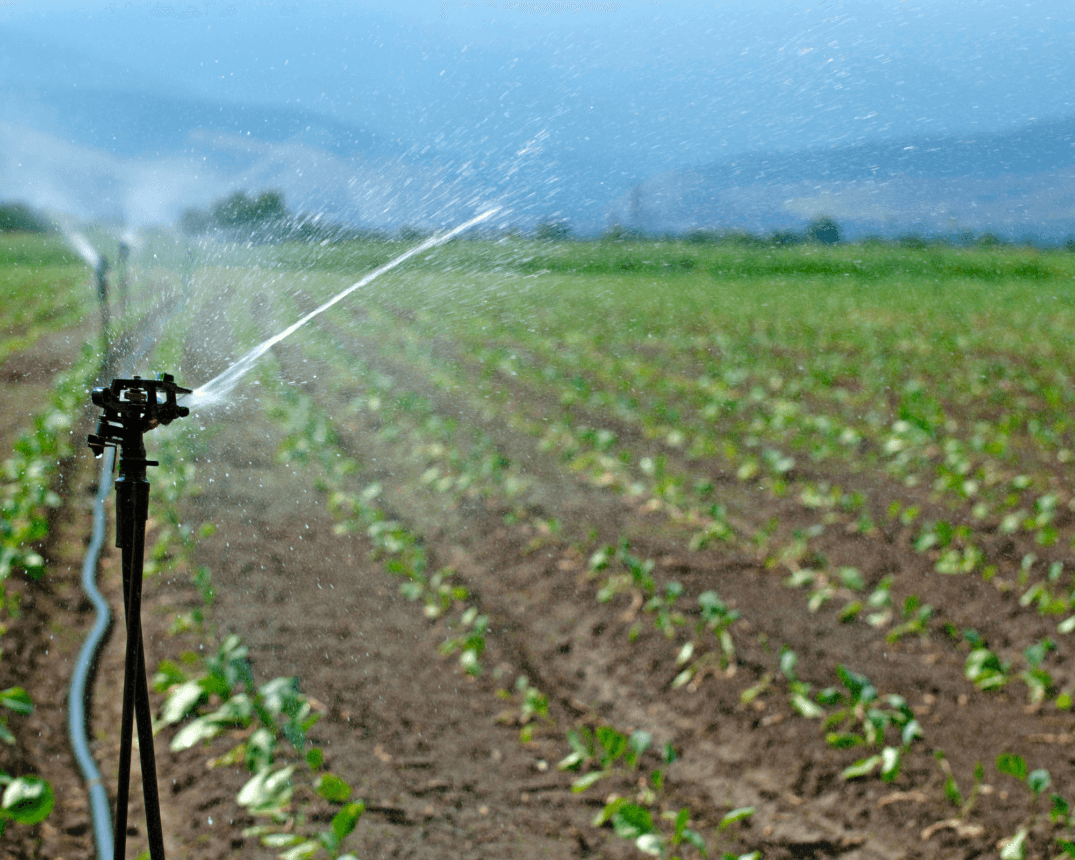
(418, 112)
(141, 156)
(1019, 183)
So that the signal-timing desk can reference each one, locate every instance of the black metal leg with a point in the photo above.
(132, 498)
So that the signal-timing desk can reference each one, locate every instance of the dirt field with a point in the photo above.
(440, 756)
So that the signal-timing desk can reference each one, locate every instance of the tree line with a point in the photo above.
(19, 218)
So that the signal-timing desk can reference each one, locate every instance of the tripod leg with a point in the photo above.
(133, 498)
(123, 789)
(144, 715)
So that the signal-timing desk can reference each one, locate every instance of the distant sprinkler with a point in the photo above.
(102, 299)
(122, 263)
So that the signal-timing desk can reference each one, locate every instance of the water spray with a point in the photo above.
(131, 408)
(221, 385)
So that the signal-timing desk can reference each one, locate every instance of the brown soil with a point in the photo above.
(435, 753)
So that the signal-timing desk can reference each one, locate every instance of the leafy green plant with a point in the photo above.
(800, 698)
(965, 803)
(864, 718)
(983, 667)
(24, 799)
(714, 617)
(605, 750)
(1038, 680)
(1037, 782)
(916, 617)
(470, 643)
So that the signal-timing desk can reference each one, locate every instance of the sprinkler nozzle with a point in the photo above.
(134, 406)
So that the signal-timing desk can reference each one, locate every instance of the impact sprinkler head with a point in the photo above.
(134, 406)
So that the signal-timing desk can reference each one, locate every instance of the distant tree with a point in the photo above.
(270, 207)
(552, 230)
(18, 217)
(194, 221)
(242, 213)
(913, 241)
(701, 237)
(617, 232)
(411, 234)
(824, 230)
(785, 237)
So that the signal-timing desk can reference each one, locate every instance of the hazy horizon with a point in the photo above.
(597, 96)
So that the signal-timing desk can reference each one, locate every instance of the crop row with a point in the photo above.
(208, 697)
(915, 613)
(602, 754)
(663, 480)
(418, 430)
(661, 403)
(28, 500)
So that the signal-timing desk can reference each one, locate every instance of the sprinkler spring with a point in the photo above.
(131, 408)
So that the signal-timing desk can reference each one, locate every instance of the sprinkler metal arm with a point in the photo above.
(131, 408)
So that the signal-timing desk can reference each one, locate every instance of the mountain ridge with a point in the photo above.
(1014, 183)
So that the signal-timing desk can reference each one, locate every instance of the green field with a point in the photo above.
(826, 487)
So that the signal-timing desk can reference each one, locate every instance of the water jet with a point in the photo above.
(217, 389)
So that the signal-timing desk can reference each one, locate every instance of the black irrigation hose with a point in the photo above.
(78, 699)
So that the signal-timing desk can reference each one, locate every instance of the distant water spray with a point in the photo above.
(83, 248)
(218, 388)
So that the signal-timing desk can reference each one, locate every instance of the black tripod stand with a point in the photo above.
(132, 407)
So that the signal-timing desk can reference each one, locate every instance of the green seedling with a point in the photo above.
(666, 618)
(1038, 680)
(1037, 783)
(24, 799)
(916, 620)
(716, 617)
(717, 529)
(863, 718)
(879, 604)
(605, 749)
(965, 803)
(471, 642)
(16, 700)
(533, 707)
(800, 691)
(744, 813)
(983, 668)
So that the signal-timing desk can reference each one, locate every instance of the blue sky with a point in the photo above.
(685, 81)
